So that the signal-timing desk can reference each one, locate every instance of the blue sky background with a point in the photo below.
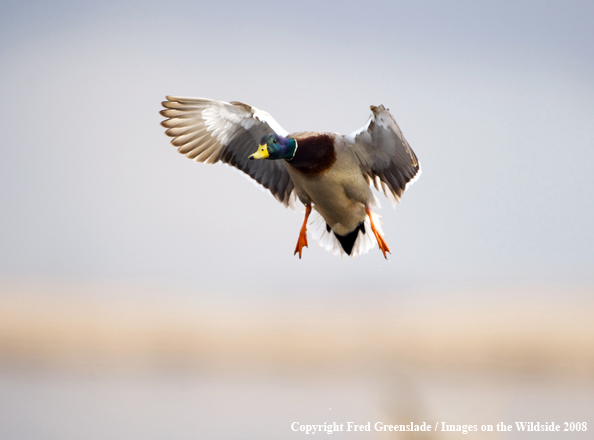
(496, 99)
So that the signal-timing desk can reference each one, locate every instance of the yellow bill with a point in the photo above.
(262, 152)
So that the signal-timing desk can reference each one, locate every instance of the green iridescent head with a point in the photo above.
(274, 146)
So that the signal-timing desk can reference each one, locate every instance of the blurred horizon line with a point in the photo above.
(201, 333)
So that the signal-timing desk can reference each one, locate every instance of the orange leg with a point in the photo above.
(380, 240)
(302, 241)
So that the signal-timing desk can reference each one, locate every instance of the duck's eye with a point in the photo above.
(274, 141)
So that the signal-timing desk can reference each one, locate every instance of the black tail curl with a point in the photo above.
(348, 241)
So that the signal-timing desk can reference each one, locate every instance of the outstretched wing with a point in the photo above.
(384, 155)
(208, 131)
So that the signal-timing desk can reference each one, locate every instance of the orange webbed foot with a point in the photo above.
(382, 244)
(380, 240)
(302, 240)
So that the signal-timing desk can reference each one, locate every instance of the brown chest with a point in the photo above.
(315, 154)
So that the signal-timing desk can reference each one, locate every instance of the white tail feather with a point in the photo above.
(327, 240)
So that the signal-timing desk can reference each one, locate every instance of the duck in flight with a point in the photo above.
(329, 173)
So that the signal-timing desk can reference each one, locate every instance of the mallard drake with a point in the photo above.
(328, 172)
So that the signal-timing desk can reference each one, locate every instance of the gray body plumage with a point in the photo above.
(340, 194)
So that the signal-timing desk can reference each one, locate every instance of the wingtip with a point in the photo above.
(415, 177)
(377, 108)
